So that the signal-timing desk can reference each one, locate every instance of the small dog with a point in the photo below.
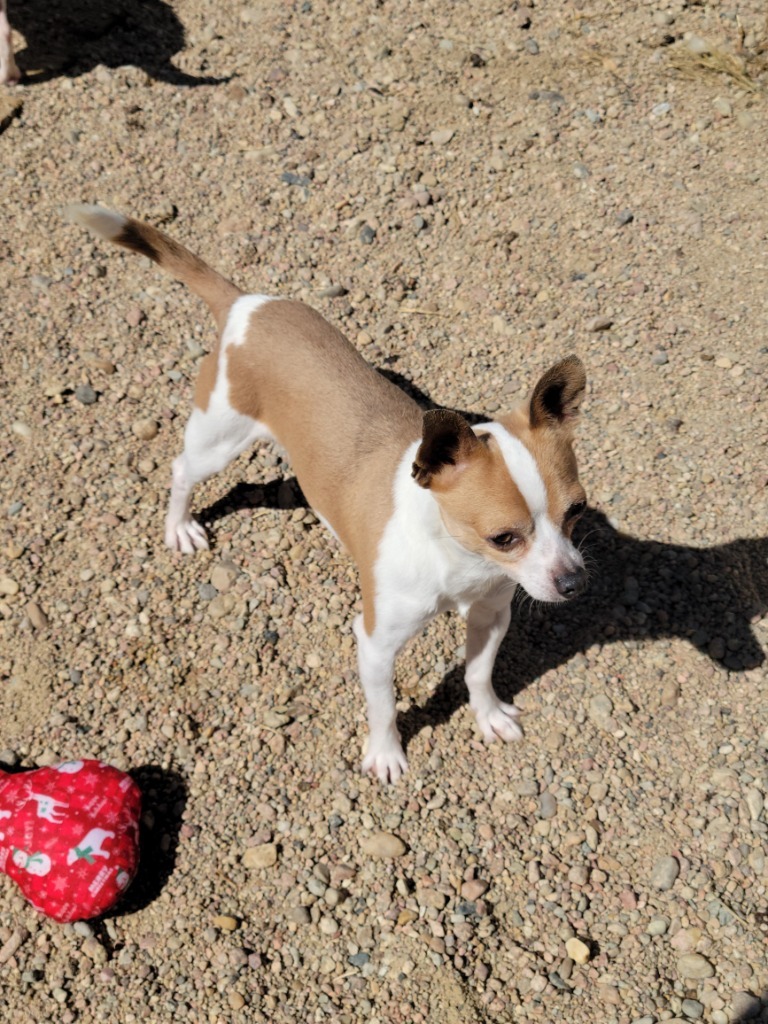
(9, 72)
(436, 513)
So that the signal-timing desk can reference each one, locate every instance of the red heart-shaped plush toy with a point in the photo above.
(69, 836)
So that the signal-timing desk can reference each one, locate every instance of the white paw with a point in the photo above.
(187, 536)
(386, 764)
(499, 721)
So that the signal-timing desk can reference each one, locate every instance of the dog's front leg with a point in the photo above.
(487, 624)
(376, 653)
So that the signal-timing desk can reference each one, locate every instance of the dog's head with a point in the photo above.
(509, 490)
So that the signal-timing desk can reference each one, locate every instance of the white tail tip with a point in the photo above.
(98, 219)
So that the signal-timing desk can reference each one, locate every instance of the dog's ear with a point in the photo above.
(447, 442)
(557, 396)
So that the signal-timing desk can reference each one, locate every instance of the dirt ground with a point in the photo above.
(471, 192)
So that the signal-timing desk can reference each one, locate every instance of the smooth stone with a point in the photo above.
(657, 926)
(299, 915)
(664, 873)
(755, 803)
(547, 806)
(474, 890)
(223, 576)
(85, 394)
(692, 1008)
(383, 844)
(36, 615)
(599, 323)
(695, 966)
(21, 430)
(441, 136)
(577, 950)
(145, 429)
(263, 856)
(226, 922)
(600, 708)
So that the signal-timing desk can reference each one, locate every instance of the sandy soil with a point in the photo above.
(471, 191)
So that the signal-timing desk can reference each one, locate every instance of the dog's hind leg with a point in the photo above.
(212, 439)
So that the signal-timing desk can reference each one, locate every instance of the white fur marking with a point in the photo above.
(551, 553)
(236, 329)
(106, 223)
(212, 438)
(522, 467)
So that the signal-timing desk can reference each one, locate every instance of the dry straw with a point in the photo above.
(744, 66)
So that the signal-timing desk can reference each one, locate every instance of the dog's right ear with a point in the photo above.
(557, 396)
(447, 443)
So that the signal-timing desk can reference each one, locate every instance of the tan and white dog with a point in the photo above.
(436, 513)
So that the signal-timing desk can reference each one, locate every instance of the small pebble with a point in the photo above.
(85, 394)
(36, 615)
(577, 950)
(263, 856)
(694, 966)
(664, 873)
(599, 323)
(145, 429)
(692, 1008)
(226, 922)
(383, 844)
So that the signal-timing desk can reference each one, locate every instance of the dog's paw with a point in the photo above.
(387, 765)
(187, 537)
(499, 721)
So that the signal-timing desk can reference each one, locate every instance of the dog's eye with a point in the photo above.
(505, 541)
(575, 511)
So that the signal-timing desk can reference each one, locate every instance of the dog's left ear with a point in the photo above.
(447, 443)
(557, 396)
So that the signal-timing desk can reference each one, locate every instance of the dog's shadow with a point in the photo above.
(639, 591)
(69, 39)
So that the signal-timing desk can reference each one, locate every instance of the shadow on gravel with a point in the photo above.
(283, 494)
(164, 797)
(753, 1012)
(639, 591)
(71, 38)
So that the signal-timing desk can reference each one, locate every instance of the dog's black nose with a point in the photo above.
(571, 583)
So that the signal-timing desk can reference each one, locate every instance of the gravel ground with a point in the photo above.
(470, 192)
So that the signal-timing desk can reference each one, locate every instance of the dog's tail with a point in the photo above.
(213, 289)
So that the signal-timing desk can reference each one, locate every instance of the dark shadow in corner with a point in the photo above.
(754, 1013)
(639, 591)
(71, 38)
(163, 799)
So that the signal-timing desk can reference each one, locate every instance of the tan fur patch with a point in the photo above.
(481, 500)
(552, 448)
(206, 379)
(345, 426)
